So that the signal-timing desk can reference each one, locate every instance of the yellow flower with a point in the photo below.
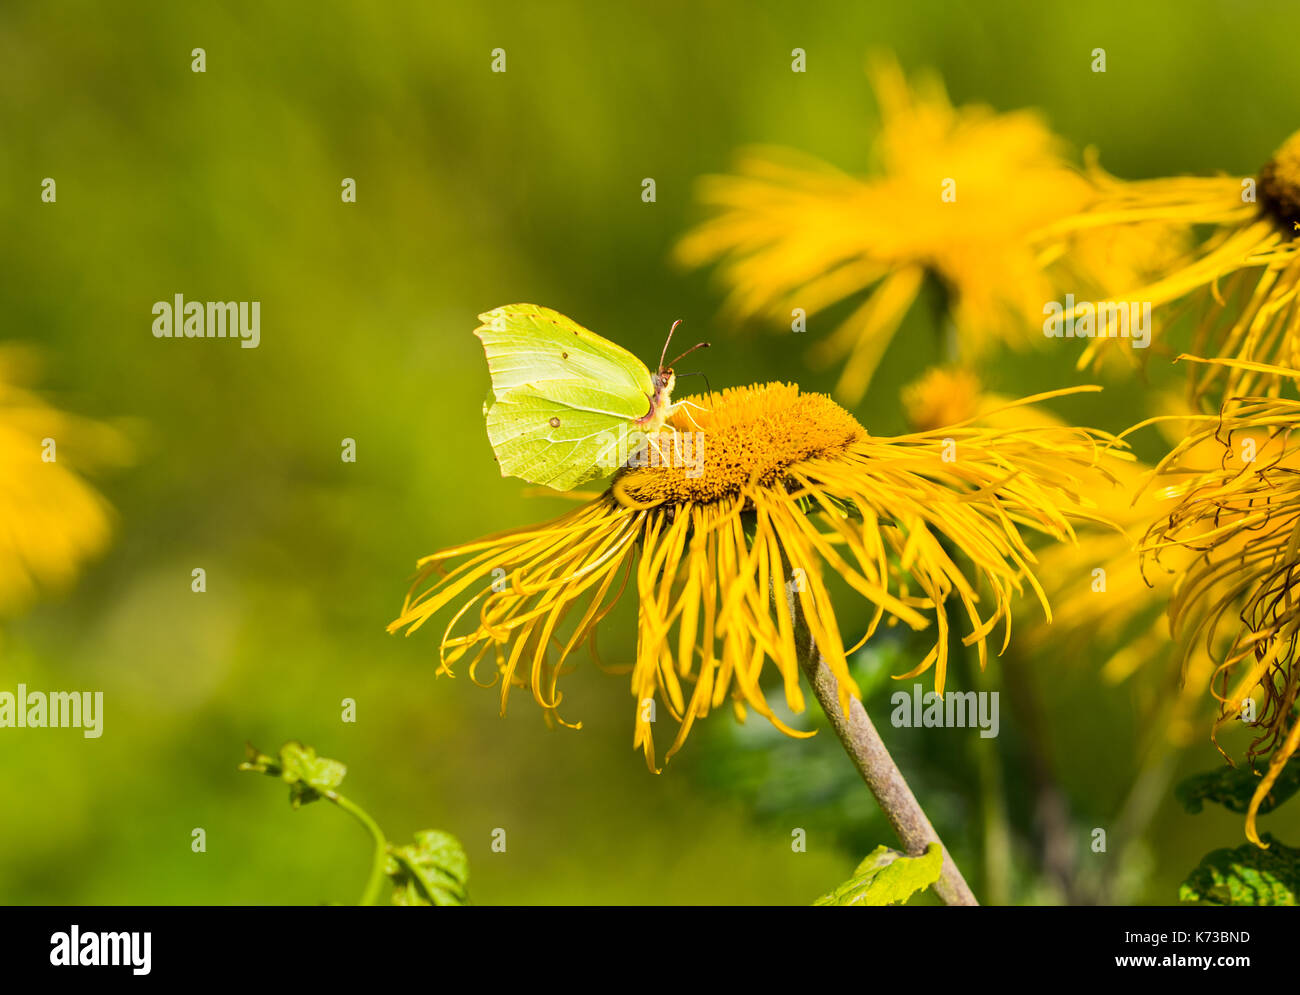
(946, 395)
(1238, 523)
(1247, 269)
(1104, 604)
(733, 556)
(942, 396)
(1104, 618)
(956, 194)
(53, 521)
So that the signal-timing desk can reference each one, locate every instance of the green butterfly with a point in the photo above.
(567, 405)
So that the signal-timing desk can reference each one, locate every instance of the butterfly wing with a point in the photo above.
(548, 442)
(564, 399)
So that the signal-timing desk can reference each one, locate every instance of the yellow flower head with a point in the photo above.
(1098, 594)
(956, 193)
(1248, 268)
(942, 397)
(53, 521)
(948, 395)
(734, 553)
(1237, 528)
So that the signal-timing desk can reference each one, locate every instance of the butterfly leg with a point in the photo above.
(686, 406)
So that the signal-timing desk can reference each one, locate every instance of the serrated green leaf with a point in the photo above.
(299, 767)
(888, 877)
(1245, 876)
(1233, 787)
(432, 871)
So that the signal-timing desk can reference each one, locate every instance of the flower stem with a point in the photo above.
(867, 750)
(374, 886)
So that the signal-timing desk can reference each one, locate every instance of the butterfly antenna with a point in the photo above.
(668, 340)
(697, 373)
(698, 345)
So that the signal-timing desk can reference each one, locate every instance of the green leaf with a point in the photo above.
(1232, 787)
(433, 871)
(1245, 876)
(888, 877)
(307, 775)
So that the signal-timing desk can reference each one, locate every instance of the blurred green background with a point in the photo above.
(478, 189)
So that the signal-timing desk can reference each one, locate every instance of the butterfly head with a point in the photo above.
(664, 380)
(660, 401)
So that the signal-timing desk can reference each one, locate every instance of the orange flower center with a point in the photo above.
(720, 445)
(1279, 185)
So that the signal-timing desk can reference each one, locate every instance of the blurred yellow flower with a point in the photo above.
(956, 194)
(734, 558)
(1101, 597)
(51, 520)
(1237, 526)
(950, 395)
(1247, 270)
(944, 396)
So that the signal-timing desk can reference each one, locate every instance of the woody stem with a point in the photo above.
(857, 733)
